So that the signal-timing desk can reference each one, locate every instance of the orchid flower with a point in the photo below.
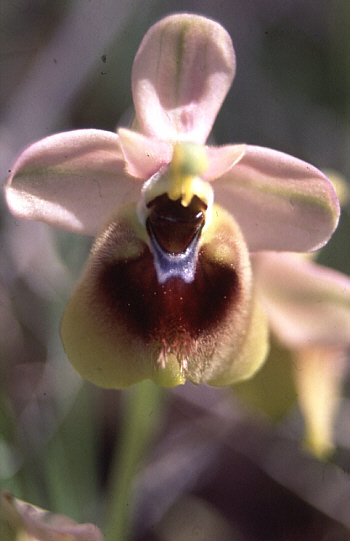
(168, 292)
(308, 310)
(21, 521)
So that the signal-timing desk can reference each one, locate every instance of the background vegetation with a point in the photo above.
(210, 467)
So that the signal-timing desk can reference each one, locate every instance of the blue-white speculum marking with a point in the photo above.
(174, 233)
(175, 208)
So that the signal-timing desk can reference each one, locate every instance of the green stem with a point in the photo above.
(141, 418)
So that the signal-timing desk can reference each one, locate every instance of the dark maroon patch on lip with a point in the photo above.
(174, 225)
(130, 292)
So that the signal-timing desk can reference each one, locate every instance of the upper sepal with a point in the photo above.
(181, 74)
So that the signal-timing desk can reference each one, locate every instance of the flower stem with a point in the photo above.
(141, 418)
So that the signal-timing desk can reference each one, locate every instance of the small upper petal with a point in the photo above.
(71, 180)
(143, 156)
(306, 304)
(280, 202)
(181, 74)
(222, 159)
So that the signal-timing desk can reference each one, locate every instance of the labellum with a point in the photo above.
(167, 292)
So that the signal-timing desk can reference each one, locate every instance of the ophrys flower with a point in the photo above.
(167, 293)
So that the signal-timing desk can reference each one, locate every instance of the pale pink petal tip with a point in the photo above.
(31, 522)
